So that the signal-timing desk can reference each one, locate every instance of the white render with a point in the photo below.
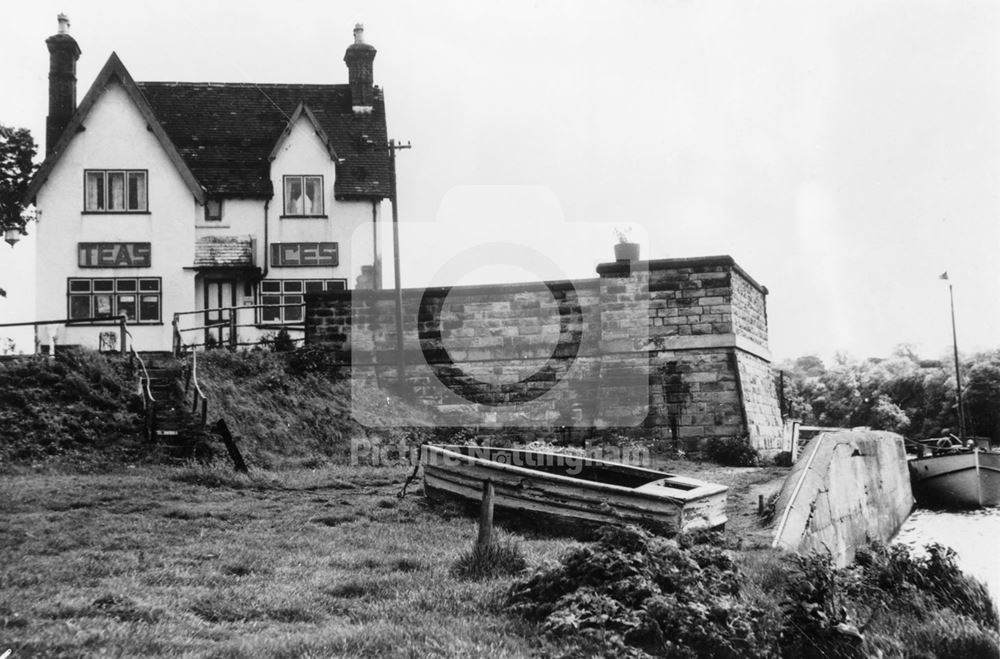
(116, 137)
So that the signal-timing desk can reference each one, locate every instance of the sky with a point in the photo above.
(845, 154)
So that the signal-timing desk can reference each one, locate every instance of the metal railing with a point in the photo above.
(145, 382)
(199, 396)
(121, 321)
(230, 320)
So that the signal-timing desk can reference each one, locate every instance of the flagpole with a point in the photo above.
(958, 372)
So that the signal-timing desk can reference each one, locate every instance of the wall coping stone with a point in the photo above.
(437, 291)
(624, 268)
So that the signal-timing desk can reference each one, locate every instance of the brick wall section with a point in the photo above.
(665, 328)
(690, 300)
(760, 400)
(749, 309)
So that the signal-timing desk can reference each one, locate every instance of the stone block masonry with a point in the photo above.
(677, 346)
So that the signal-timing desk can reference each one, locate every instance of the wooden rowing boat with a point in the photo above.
(969, 479)
(575, 489)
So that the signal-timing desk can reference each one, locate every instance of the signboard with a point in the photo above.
(304, 254)
(114, 255)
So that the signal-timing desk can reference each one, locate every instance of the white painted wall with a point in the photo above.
(303, 153)
(115, 137)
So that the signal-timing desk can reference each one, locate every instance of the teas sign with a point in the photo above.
(114, 255)
(304, 254)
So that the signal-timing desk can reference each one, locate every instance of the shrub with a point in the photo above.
(733, 452)
(783, 459)
(283, 341)
(315, 358)
(634, 592)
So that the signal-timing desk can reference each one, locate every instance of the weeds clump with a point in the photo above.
(635, 592)
(500, 558)
(75, 405)
(875, 606)
(733, 452)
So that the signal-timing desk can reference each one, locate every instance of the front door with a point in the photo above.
(220, 297)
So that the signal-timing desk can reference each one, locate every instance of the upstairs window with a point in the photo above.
(114, 191)
(304, 196)
(213, 210)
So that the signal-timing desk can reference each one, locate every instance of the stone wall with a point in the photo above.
(653, 344)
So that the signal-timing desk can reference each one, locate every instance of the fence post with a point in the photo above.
(222, 430)
(121, 331)
(486, 516)
(176, 337)
(232, 329)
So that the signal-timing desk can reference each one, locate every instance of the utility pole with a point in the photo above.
(400, 359)
(958, 372)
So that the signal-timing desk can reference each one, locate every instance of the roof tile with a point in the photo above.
(225, 133)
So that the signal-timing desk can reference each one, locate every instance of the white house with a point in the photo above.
(169, 197)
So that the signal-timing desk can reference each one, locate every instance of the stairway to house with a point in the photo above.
(176, 430)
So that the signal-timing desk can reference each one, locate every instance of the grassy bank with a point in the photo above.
(103, 551)
(157, 561)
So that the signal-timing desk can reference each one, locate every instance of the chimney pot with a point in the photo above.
(359, 58)
(63, 54)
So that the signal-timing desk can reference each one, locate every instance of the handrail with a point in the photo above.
(235, 308)
(145, 382)
(198, 393)
(230, 317)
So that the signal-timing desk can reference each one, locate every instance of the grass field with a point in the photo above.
(198, 561)
(156, 561)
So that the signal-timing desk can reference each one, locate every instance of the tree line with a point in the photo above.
(901, 393)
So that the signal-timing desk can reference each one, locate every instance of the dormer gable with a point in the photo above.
(303, 112)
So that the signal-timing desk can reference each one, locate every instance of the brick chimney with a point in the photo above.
(359, 58)
(63, 54)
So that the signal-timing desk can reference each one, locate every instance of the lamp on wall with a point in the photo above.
(14, 234)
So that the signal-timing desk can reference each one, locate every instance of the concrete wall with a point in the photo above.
(846, 490)
(649, 343)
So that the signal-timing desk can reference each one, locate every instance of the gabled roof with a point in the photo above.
(226, 133)
(114, 70)
(303, 110)
(221, 136)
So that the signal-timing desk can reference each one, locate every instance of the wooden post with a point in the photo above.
(486, 516)
(232, 329)
(221, 429)
(121, 331)
(760, 504)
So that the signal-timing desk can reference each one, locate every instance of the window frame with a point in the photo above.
(115, 290)
(104, 192)
(302, 182)
(286, 289)
(209, 218)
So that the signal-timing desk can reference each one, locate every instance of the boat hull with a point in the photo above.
(963, 480)
(539, 486)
